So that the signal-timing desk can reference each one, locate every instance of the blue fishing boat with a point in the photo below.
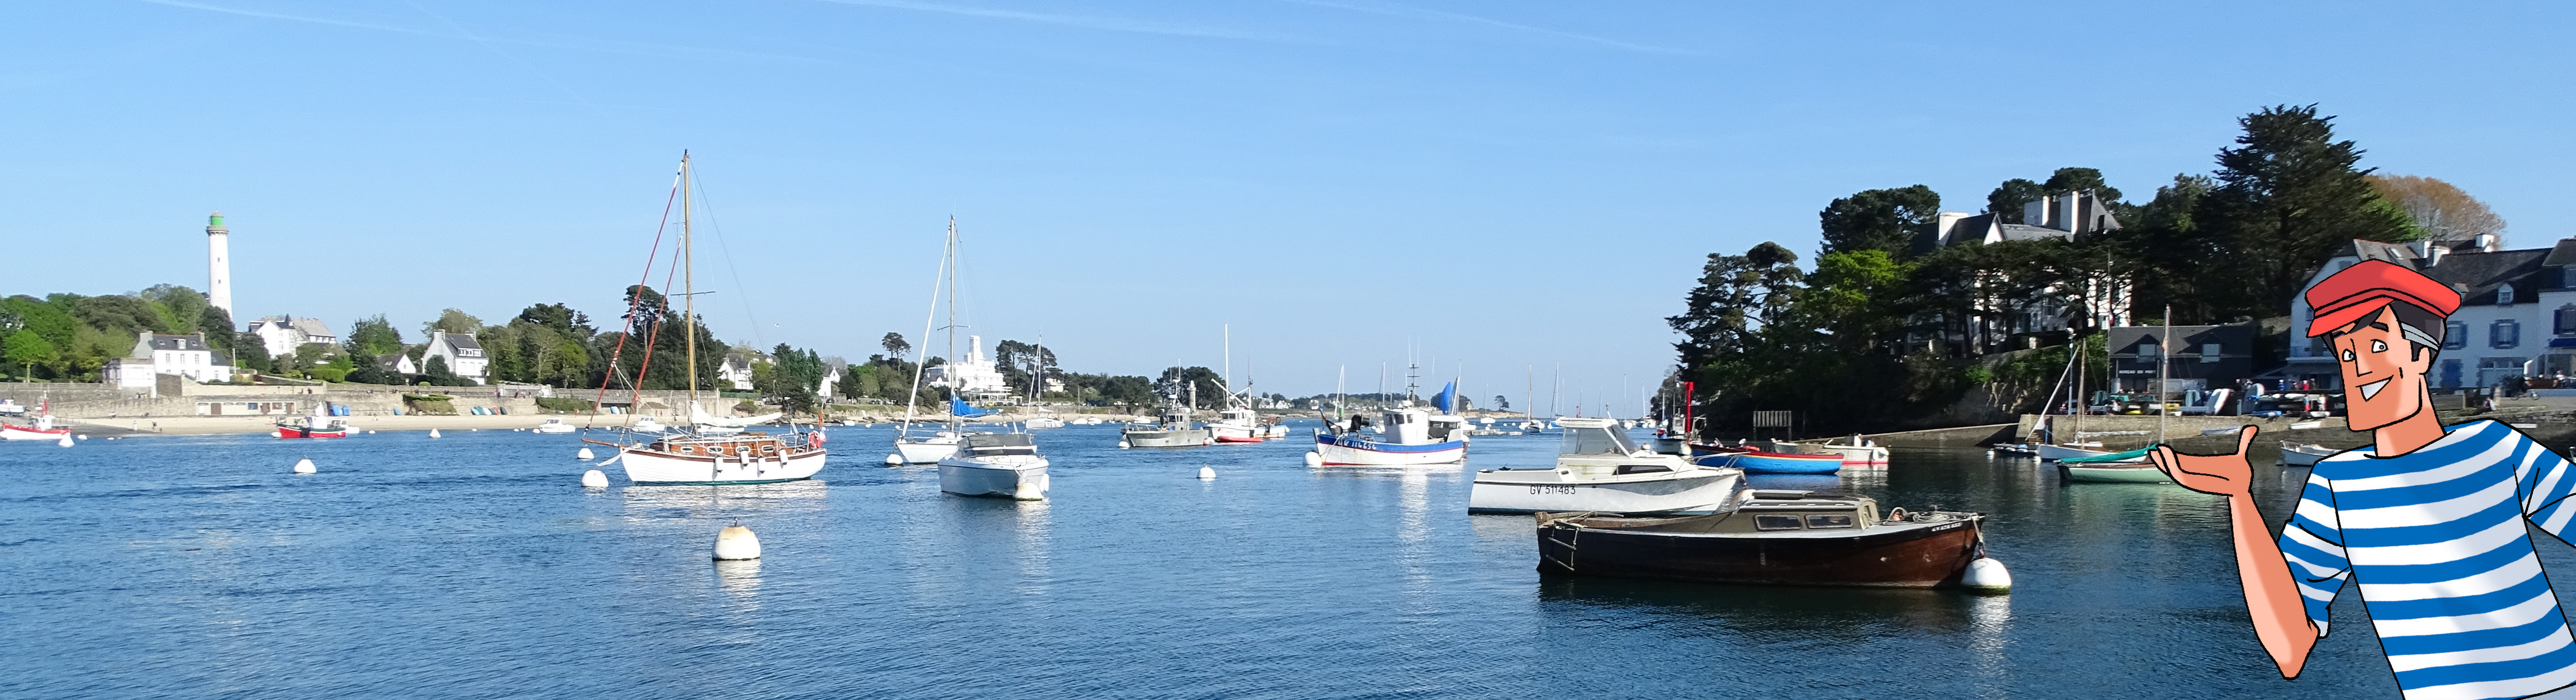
(1775, 462)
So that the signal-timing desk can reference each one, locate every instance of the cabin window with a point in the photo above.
(2209, 352)
(1642, 468)
(1776, 522)
(1827, 522)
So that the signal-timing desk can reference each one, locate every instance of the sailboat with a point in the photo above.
(697, 456)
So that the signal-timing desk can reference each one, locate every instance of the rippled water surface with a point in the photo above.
(474, 566)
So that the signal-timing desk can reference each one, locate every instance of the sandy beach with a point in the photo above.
(217, 425)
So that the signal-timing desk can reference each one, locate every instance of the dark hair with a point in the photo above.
(2420, 319)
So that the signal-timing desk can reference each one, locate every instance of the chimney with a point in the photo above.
(2433, 254)
(2066, 216)
(2488, 242)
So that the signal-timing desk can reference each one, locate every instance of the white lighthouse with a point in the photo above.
(219, 264)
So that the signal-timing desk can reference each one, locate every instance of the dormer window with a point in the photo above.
(2504, 294)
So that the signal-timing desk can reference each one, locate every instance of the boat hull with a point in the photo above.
(1351, 451)
(654, 468)
(2111, 474)
(1022, 478)
(2293, 455)
(285, 432)
(1683, 493)
(1775, 463)
(1192, 437)
(12, 432)
(2051, 453)
(1853, 454)
(1924, 556)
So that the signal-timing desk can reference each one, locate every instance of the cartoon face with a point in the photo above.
(2383, 377)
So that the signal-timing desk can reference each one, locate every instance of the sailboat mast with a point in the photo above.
(689, 285)
(1229, 359)
(954, 390)
(921, 353)
(2164, 361)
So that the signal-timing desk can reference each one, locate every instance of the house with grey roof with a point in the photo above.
(2517, 312)
(464, 357)
(2061, 217)
(160, 353)
(283, 335)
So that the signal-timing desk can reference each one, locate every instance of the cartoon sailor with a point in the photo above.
(2427, 519)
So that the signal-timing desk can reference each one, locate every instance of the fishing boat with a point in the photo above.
(321, 424)
(42, 428)
(2304, 455)
(690, 455)
(1242, 425)
(553, 426)
(1173, 429)
(1770, 537)
(1406, 435)
(12, 408)
(1002, 465)
(1760, 462)
(1598, 468)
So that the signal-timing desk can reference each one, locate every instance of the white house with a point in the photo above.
(736, 371)
(157, 354)
(973, 375)
(464, 356)
(2517, 312)
(833, 369)
(397, 363)
(283, 335)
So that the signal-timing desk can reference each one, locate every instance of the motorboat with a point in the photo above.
(321, 424)
(42, 428)
(927, 449)
(12, 408)
(744, 458)
(1000, 465)
(1761, 462)
(1598, 468)
(1174, 429)
(1407, 436)
(1244, 425)
(1043, 423)
(646, 424)
(1769, 537)
(2129, 467)
(1854, 450)
(2304, 455)
(554, 426)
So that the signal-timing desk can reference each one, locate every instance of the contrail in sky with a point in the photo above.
(1418, 13)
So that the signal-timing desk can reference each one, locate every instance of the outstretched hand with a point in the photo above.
(2225, 475)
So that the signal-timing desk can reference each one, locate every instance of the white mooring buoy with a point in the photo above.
(595, 479)
(1207, 473)
(83, 436)
(304, 466)
(583, 455)
(1314, 459)
(894, 460)
(65, 442)
(735, 543)
(433, 432)
(1122, 443)
(1988, 575)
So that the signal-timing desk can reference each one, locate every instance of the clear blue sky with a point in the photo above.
(1500, 184)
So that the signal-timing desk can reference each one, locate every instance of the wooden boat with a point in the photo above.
(1758, 462)
(1769, 537)
(2298, 455)
(739, 458)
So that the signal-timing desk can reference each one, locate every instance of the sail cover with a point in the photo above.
(958, 407)
(1448, 395)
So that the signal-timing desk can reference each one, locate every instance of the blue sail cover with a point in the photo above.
(958, 407)
(1448, 395)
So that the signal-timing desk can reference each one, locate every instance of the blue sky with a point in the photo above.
(1498, 184)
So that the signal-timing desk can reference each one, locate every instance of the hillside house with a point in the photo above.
(464, 356)
(2062, 217)
(283, 335)
(157, 354)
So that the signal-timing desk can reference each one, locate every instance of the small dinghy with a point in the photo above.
(1769, 537)
(1758, 462)
(2129, 467)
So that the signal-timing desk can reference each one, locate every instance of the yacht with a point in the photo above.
(1599, 468)
(1000, 465)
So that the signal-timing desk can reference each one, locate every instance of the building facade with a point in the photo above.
(2200, 357)
(2061, 217)
(283, 335)
(2517, 312)
(972, 375)
(464, 357)
(157, 354)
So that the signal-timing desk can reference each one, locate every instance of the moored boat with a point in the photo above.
(2111, 473)
(927, 449)
(1599, 469)
(1407, 436)
(1759, 462)
(1002, 465)
(742, 458)
(2298, 455)
(1786, 538)
(1175, 429)
(321, 424)
(554, 425)
(40, 429)
(2051, 453)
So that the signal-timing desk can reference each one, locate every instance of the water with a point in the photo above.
(474, 566)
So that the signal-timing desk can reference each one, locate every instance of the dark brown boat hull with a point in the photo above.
(1925, 557)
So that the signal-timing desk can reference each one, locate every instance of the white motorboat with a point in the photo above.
(1238, 424)
(1174, 430)
(1854, 450)
(1598, 468)
(751, 458)
(40, 429)
(646, 424)
(999, 465)
(927, 448)
(1044, 423)
(554, 426)
(2299, 455)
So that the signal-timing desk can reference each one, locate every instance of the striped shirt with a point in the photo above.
(2435, 538)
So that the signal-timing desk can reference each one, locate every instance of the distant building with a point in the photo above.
(2061, 217)
(973, 375)
(2517, 312)
(397, 363)
(157, 354)
(464, 356)
(736, 371)
(283, 335)
(833, 369)
(2200, 357)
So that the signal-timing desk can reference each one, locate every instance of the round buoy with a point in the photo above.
(583, 455)
(1987, 574)
(1032, 489)
(371, 432)
(594, 479)
(66, 441)
(433, 432)
(1207, 473)
(1122, 444)
(83, 436)
(1314, 459)
(894, 460)
(735, 543)
(304, 466)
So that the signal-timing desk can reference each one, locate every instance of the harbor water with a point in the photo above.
(474, 566)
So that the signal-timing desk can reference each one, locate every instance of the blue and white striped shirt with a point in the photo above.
(2435, 538)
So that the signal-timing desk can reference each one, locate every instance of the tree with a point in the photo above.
(1502, 404)
(26, 350)
(2286, 198)
(894, 345)
(250, 352)
(1886, 220)
(221, 335)
(2072, 180)
(179, 307)
(1178, 381)
(373, 337)
(2009, 198)
(1735, 293)
(453, 321)
(559, 318)
(793, 378)
(2442, 209)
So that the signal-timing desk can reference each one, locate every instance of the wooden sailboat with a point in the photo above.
(687, 455)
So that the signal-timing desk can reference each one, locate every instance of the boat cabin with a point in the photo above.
(1414, 426)
(992, 444)
(1594, 436)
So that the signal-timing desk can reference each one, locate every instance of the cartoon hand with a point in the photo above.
(2224, 475)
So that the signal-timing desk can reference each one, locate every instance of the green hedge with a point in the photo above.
(429, 404)
(563, 404)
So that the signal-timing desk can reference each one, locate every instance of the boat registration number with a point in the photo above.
(1561, 490)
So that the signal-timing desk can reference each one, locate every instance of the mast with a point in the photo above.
(921, 353)
(955, 391)
(2083, 402)
(1229, 362)
(2164, 360)
(689, 284)
(1529, 390)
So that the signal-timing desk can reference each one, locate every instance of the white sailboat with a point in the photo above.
(926, 449)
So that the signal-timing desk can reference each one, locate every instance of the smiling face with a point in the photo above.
(2383, 376)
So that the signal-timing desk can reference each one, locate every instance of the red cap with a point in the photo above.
(2359, 291)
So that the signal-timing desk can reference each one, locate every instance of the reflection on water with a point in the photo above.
(1769, 612)
(739, 579)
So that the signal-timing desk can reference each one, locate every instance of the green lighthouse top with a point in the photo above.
(215, 220)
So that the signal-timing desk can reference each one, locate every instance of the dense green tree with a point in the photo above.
(894, 345)
(1178, 382)
(251, 353)
(2070, 180)
(220, 332)
(793, 378)
(373, 336)
(116, 313)
(561, 319)
(2008, 199)
(1736, 293)
(2287, 197)
(1885, 220)
(453, 321)
(27, 351)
